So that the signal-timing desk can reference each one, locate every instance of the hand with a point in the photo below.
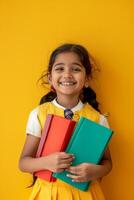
(84, 172)
(58, 161)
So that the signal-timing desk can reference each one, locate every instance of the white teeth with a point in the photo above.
(67, 83)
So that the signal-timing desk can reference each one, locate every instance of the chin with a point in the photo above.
(70, 93)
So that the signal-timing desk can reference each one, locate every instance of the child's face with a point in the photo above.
(68, 75)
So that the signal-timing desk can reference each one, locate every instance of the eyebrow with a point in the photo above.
(74, 63)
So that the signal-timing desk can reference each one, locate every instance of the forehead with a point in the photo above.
(69, 57)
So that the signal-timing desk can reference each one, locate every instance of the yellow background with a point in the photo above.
(29, 31)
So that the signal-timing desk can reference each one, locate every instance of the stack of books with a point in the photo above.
(86, 139)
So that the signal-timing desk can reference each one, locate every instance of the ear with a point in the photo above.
(86, 82)
(49, 79)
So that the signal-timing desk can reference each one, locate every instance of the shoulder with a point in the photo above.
(33, 114)
(89, 112)
(33, 125)
(45, 105)
(103, 121)
(102, 118)
(34, 111)
(88, 108)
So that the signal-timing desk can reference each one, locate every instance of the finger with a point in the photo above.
(74, 170)
(75, 178)
(64, 166)
(68, 160)
(71, 158)
(66, 155)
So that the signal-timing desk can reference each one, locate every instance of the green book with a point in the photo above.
(88, 144)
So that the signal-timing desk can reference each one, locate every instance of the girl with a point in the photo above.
(68, 73)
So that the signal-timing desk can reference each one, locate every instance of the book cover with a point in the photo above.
(88, 144)
(57, 133)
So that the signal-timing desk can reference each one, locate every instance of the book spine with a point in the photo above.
(44, 136)
(78, 126)
(105, 146)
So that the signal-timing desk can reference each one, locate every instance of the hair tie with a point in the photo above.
(53, 89)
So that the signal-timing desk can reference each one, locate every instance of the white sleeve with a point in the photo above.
(33, 126)
(103, 121)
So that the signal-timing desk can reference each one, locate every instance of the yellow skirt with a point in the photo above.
(43, 190)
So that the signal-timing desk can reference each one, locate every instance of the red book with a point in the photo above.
(55, 138)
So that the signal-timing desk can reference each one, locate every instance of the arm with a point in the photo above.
(54, 162)
(27, 162)
(106, 163)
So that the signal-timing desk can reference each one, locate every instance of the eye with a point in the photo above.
(76, 69)
(58, 69)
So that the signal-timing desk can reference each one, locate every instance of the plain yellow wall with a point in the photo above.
(29, 30)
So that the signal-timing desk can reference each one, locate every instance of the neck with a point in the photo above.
(68, 102)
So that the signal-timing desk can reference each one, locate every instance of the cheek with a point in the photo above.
(82, 79)
(54, 77)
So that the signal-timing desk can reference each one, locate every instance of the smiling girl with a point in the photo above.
(68, 74)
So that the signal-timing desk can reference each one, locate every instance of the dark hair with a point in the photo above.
(88, 94)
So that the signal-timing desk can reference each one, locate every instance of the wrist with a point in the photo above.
(105, 168)
(45, 163)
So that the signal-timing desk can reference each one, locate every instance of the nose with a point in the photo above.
(67, 74)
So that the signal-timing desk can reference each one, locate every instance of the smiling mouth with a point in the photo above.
(67, 83)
